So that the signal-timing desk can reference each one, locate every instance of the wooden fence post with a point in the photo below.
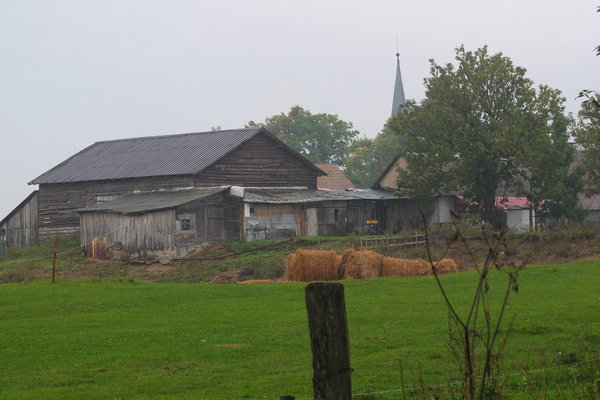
(54, 263)
(329, 341)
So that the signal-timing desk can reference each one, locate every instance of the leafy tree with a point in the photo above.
(591, 98)
(586, 132)
(369, 157)
(321, 138)
(484, 131)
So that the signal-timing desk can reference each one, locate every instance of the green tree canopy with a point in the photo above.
(321, 138)
(586, 131)
(484, 131)
(368, 158)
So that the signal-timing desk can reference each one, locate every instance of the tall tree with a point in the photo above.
(322, 138)
(586, 131)
(484, 131)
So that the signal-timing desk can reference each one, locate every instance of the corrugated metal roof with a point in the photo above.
(298, 196)
(335, 178)
(152, 201)
(181, 154)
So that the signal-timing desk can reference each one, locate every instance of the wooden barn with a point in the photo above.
(108, 170)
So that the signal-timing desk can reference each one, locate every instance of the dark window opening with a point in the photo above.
(336, 215)
(252, 210)
(186, 225)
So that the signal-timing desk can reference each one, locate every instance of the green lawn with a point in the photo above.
(122, 340)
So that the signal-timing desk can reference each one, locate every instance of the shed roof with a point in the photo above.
(152, 201)
(335, 178)
(298, 196)
(182, 154)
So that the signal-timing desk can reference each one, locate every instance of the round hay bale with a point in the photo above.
(401, 267)
(312, 265)
(362, 264)
(446, 266)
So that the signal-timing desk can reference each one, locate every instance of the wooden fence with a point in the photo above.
(392, 241)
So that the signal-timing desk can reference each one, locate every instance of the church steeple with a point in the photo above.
(398, 89)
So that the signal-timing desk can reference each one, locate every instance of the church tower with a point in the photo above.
(398, 89)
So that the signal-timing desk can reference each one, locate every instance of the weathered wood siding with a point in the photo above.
(259, 162)
(326, 217)
(406, 214)
(139, 235)
(213, 219)
(57, 201)
(21, 226)
(233, 217)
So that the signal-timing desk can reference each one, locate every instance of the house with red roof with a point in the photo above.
(335, 178)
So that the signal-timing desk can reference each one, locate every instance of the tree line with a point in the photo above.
(483, 131)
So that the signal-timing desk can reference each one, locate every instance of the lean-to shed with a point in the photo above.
(146, 226)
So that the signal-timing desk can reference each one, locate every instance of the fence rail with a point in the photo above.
(392, 241)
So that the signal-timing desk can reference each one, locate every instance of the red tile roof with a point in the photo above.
(335, 179)
(510, 201)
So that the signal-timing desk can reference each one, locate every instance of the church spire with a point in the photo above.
(398, 89)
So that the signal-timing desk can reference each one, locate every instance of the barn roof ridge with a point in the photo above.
(166, 155)
(174, 135)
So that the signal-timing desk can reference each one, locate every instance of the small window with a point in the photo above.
(336, 215)
(186, 225)
(252, 210)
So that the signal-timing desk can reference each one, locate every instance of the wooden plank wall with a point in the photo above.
(326, 217)
(406, 214)
(21, 227)
(139, 234)
(57, 201)
(259, 162)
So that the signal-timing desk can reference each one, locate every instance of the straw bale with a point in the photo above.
(312, 265)
(401, 267)
(362, 264)
(444, 266)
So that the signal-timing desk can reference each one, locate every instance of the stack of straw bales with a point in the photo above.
(312, 265)
(362, 264)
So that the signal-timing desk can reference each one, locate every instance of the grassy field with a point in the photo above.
(115, 339)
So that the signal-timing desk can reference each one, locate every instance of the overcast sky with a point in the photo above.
(76, 72)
